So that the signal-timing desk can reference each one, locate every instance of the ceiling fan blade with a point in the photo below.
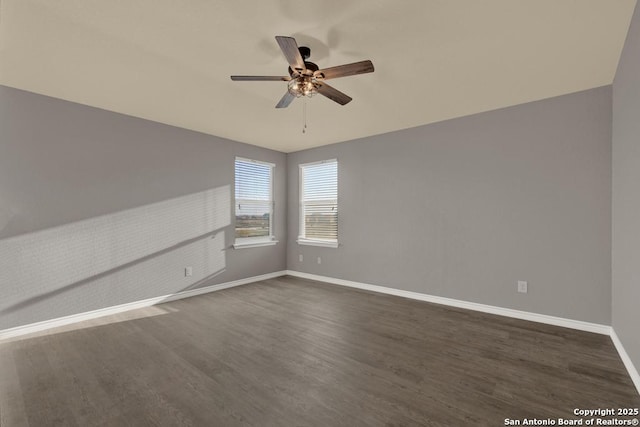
(333, 94)
(261, 78)
(285, 100)
(361, 67)
(290, 49)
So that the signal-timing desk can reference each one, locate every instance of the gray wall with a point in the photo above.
(626, 194)
(99, 209)
(465, 208)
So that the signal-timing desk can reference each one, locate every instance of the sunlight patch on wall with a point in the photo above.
(113, 259)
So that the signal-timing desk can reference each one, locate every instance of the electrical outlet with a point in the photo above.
(188, 271)
(319, 260)
(522, 286)
(300, 258)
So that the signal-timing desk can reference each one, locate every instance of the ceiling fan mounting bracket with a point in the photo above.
(305, 52)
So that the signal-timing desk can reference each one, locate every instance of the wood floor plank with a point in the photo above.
(294, 352)
(43, 396)
(12, 412)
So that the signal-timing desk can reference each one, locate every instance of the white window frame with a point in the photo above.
(253, 242)
(302, 240)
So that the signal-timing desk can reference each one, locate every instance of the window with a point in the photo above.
(254, 203)
(319, 204)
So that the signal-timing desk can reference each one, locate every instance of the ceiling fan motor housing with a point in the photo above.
(305, 52)
(310, 69)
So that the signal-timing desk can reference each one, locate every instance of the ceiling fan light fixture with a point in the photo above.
(303, 86)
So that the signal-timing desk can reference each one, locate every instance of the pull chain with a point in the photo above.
(304, 115)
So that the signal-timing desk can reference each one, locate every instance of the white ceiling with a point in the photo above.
(170, 60)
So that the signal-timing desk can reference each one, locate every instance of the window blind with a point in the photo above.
(254, 198)
(319, 201)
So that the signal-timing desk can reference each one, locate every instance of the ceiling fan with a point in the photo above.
(305, 78)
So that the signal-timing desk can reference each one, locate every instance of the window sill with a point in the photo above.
(321, 243)
(254, 244)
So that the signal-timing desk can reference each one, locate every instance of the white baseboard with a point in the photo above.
(535, 317)
(524, 315)
(633, 372)
(74, 318)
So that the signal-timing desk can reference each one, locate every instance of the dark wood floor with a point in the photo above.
(293, 352)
